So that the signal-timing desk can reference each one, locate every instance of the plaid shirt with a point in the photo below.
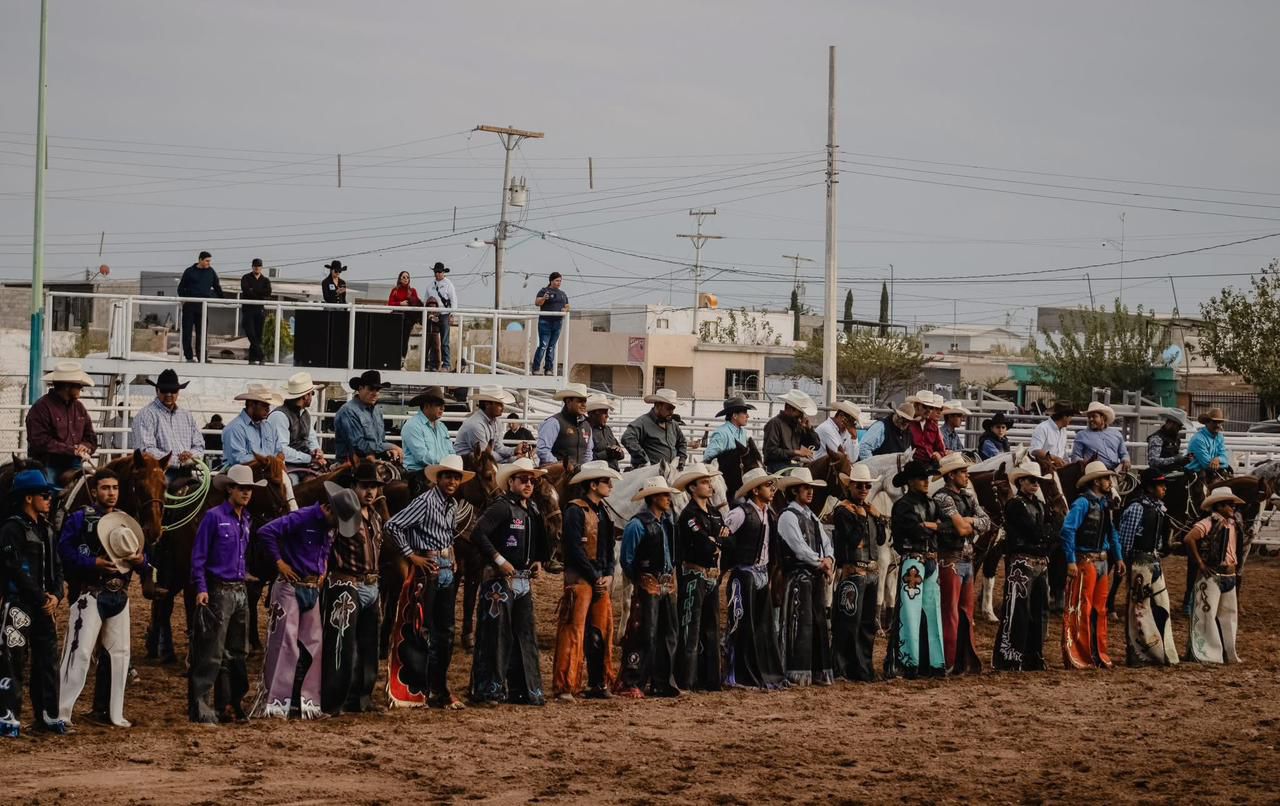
(358, 555)
(427, 524)
(158, 431)
(1131, 522)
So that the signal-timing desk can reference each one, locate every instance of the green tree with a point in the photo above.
(269, 337)
(1241, 331)
(1099, 348)
(848, 312)
(884, 310)
(893, 363)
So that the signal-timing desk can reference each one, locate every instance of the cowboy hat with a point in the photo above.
(692, 472)
(167, 381)
(663, 396)
(998, 419)
(370, 377)
(366, 473)
(521, 465)
(261, 393)
(911, 470)
(346, 505)
(919, 397)
(953, 407)
(905, 413)
(798, 477)
(299, 385)
(492, 394)
(451, 463)
(1061, 410)
(1093, 471)
(68, 372)
(951, 463)
(440, 267)
(572, 390)
(733, 405)
(752, 479)
(1221, 495)
(27, 482)
(1108, 413)
(932, 401)
(432, 394)
(336, 266)
(239, 475)
(801, 401)
(1214, 414)
(590, 471)
(1019, 473)
(1154, 475)
(1177, 416)
(653, 486)
(121, 538)
(598, 403)
(847, 409)
(860, 473)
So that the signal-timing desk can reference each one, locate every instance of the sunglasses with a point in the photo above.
(862, 485)
(523, 479)
(45, 495)
(1032, 482)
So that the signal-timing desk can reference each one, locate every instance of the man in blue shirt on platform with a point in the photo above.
(1208, 448)
(1100, 441)
(249, 434)
(551, 300)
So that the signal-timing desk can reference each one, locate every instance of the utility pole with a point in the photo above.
(1122, 258)
(510, 139)
(699, 240)
(795, 276)
(829, 326)
(36, 358)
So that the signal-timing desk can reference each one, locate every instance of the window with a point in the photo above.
(659, 378)
(663, 324)
(601, 377)
(739, 381)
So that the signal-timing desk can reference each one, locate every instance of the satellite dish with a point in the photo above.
(1172, 355)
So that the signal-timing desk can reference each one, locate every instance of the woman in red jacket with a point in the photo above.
(405, 295)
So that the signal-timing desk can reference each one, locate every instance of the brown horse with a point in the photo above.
(827, 468)
(470, 563)
(733, 464)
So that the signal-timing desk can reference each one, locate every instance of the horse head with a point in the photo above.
(142, 490)
(271, 469)
(484, 486)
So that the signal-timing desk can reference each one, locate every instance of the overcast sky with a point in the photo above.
(181, 126)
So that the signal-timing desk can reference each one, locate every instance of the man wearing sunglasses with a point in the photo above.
(1029, 540)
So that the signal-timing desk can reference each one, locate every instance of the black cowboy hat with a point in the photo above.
(366, 473)
(912, 470)
(336, 266)
(432, 394)
(440, 267)
(370, 377)
(167, 382)
(1061, 409)
(734, 405)
(998, 419)
(1154, 475)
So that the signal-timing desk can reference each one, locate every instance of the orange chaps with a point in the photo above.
(1084, 614)
(584, 631)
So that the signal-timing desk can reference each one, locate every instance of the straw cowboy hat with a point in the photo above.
(572, 390)
(734, 405)
(799, 477)
(432, 394)
(121, 538)
(167, 381)
(261, 393)
(847, 409)
(905, 412)
(799, 400)
(239, 475)
(1108, 413)
(932, 401)
(492, 394)
(753, 478)
(918, 397)
(598, 402)
(693, 472)
(69, 372)
(654, 485)
(521, 465)
(451, 463)
(663, 396)
(954, 407)
(298, 385)
(1214, 414)
(1019, 473)
(1222, 495)
(590, 471)
(950, 464)
(1093, 471)
(859, 473)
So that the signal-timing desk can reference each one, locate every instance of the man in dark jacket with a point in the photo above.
(1029, 540)
(604, 445)
(257, 286)
(648, 559)
(915, 639)
(700, 532)
(199, 281)
(59, 432)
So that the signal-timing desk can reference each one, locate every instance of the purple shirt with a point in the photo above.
(219, 549)
(302, 539)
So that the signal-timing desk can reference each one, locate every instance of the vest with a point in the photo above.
(590, 533)
(88, 537)
(1026, 528)
(571, 442)
(987, 436)
(856, 536)
(1152, 533)
(908, 512)
(699, 536)
(1213, 546)
(896, 440)
(948, 538)
(521, 539)
(812, 534)
(602, 438)
(649, 552)
(1089, 537)
(299, 427)
(742, 548)
(1169, 446)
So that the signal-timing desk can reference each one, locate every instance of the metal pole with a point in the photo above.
(1122, 258)
(36, 357)
(500, 240)
(829, 325)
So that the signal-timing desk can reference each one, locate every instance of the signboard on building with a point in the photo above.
(636, 347)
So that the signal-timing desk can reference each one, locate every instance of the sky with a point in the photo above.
(987, 150)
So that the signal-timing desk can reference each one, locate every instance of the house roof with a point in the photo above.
(971, 330)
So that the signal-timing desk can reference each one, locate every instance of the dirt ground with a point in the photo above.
(1189, 733)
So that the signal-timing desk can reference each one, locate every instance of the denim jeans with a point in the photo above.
(548, 335)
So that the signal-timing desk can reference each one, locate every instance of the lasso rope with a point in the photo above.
(193, 499)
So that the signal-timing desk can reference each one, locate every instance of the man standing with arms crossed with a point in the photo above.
(551, 300)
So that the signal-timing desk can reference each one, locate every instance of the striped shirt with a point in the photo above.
(158, 431)
(427, 524)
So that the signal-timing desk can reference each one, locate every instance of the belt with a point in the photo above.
(921, 555)
(657, 585)
(113, 585)
(359, 579)
(955, 556)
(861, 569)
(226, 583)
(1031, 559)
(706, 573)
(441, 554)
(1091, 556)
(307, 582)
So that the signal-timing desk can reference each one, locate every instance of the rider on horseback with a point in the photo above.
(839, 432)
(731, 434)
(1208, 448)
(59, 432)
(788, 439)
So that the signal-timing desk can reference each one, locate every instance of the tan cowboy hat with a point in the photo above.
(846, 408)
(919, 397)
(932, 401)
(954, 407)
(261, 393)
(299, 384)
(801, 401)
(1108, 413)
(1023, 473)
(573, 390)
(597, 403)
(1092, 471)
(653, 486)
(595, 470)
(799, 476)
(905, 413)
(449, 463)
(692, 472)
(950, 464)
(860, 473)
(492, 394)
(753, 478)
(68, 372)
(521, 465)
(240, 475)
(1214, 414)
(121, 537)
(663, 396)
(1221, 495)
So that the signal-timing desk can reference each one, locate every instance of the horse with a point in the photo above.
(733, 464)
(469, 563)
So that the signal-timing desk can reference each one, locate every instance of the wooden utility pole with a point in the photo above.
(510, 139)
(699, 240)
(831, 316)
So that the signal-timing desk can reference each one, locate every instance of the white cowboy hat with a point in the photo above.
(1093, 470)
(954, 407)
(573, 390)
(752, 479)
(451, 463)
(261, 393)
(801, 401)
(692, 472)
(933, 401)
(521, 465)
(919, 397)
(846, 408)
(905, 413)
(1108, 413)
(951, 463)
(240, 475)
(595, 470)
(860, 473)
(68, 372)
(492, 394)
(121, 538)
(299, 384)
(797, 477)
(1019, 473)
(663, 396)
(653, 486)
(1219, 496)
(598, 402)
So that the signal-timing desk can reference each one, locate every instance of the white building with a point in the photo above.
(947, 339)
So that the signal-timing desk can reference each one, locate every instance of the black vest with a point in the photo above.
(909, 511)
(855, 537)
(571, 442)
(299, 427)
(896, 440)
(698, 536)
(1153, 531)
(650, 551)
(521, 538)
(1027, 528)
(1213, 546)
(78, 580)
(1169, 446)
(812, 534)
(742, 548)
(948, 538)
(1090, 537)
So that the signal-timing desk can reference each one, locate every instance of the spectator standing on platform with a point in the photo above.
(333, 287)
(198, 281)
(254, 285)
(442, 289)
(551, 300)
(404, 295)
